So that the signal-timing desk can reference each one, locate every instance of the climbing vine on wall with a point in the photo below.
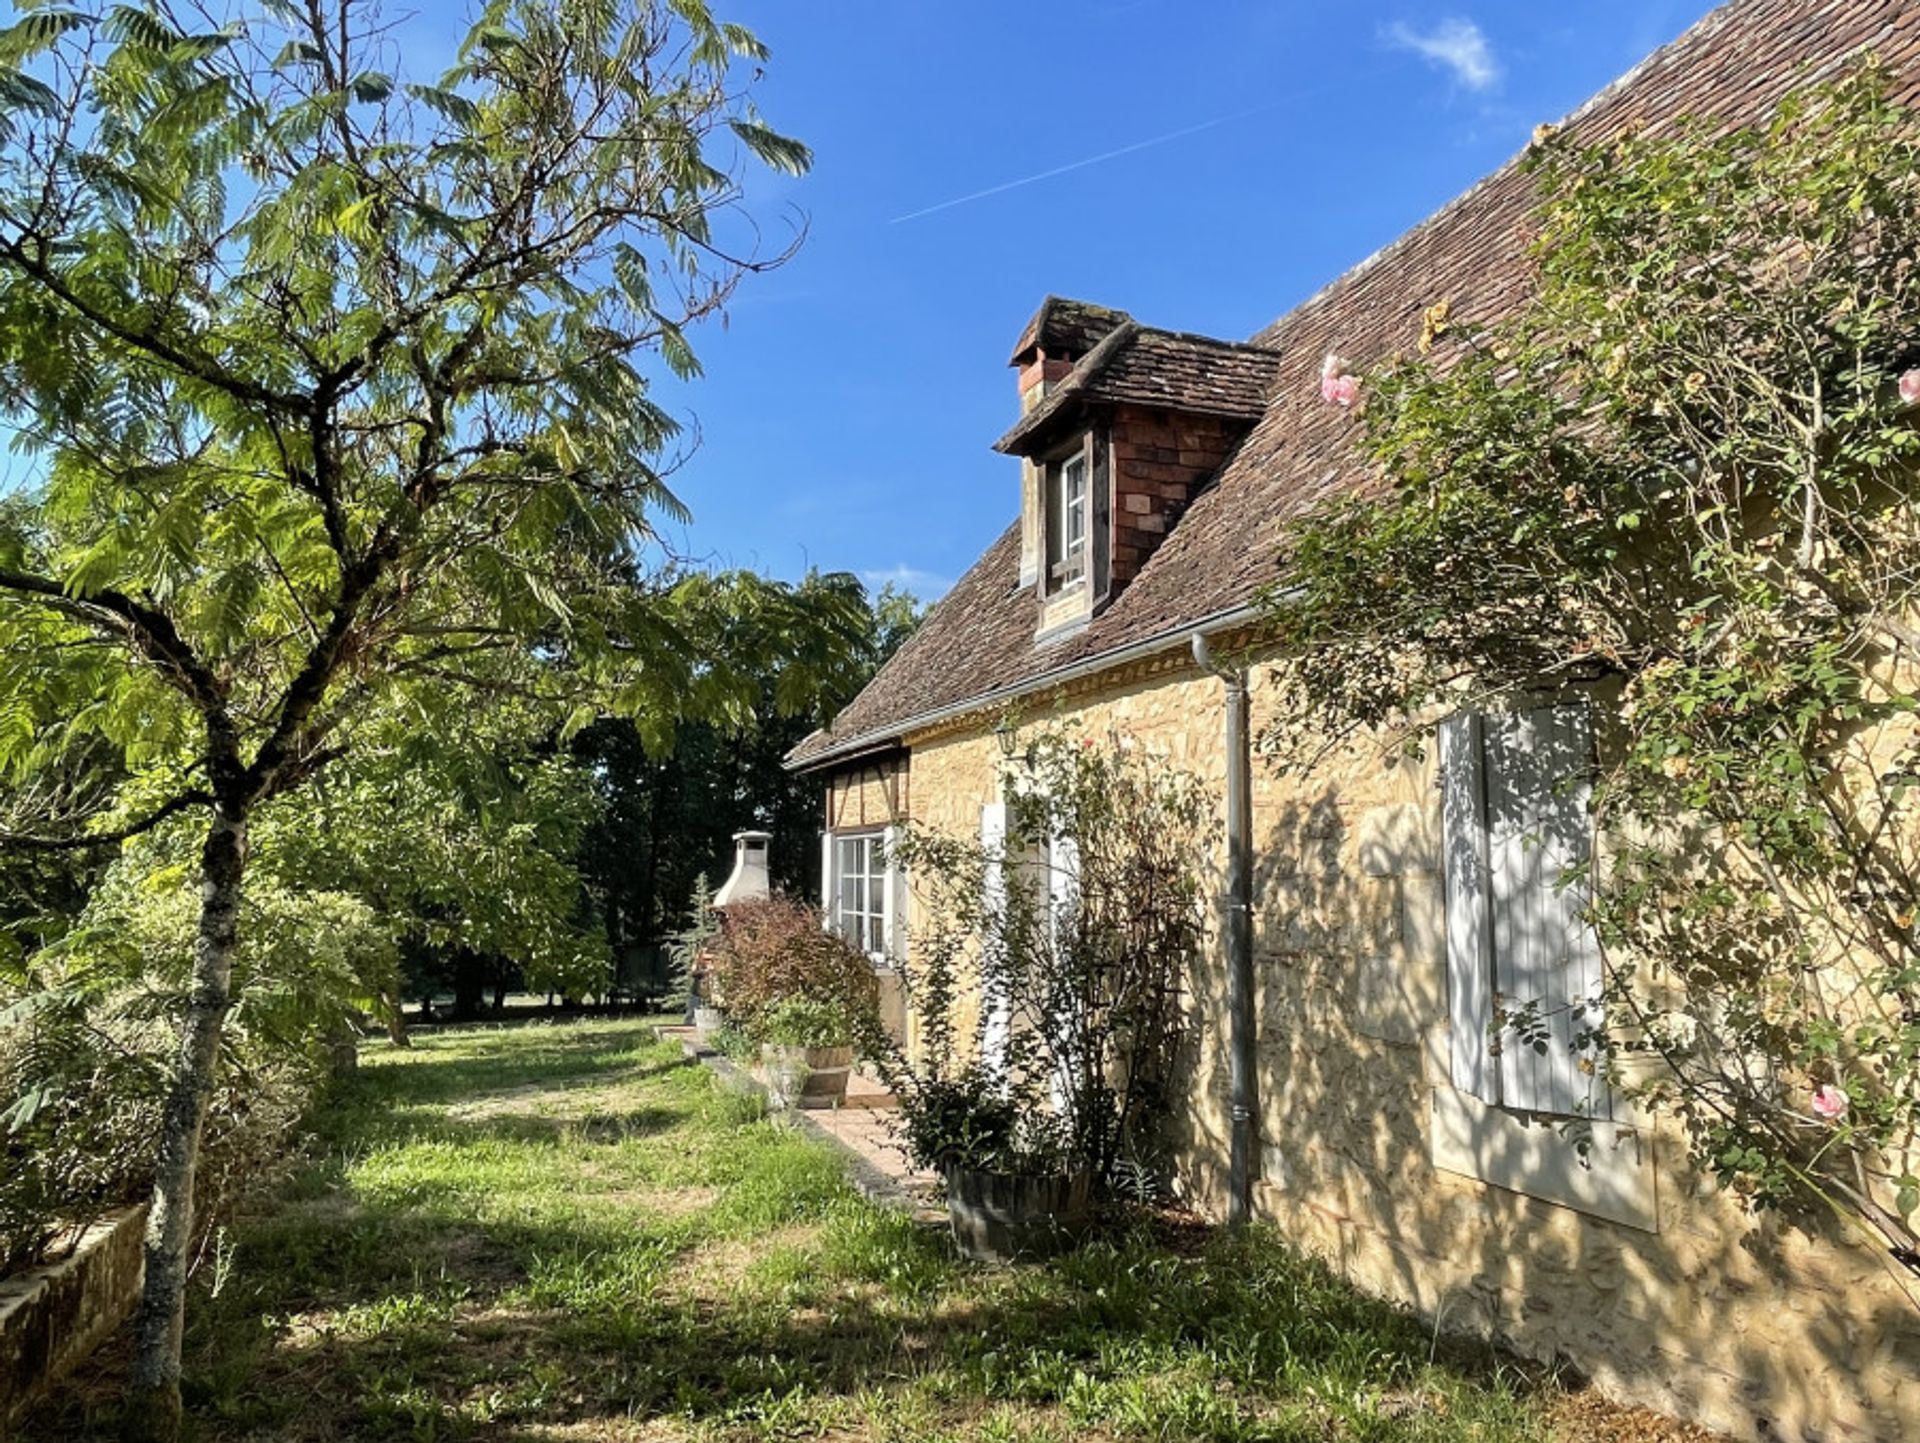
(1682, 478)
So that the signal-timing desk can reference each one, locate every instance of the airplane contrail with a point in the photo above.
(1105, 155)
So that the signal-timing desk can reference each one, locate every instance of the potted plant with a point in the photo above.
(806, 1052)
(1014, 1190)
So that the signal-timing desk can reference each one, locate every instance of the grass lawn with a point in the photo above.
(565, 1232)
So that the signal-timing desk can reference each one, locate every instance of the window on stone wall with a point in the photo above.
(1523, 965)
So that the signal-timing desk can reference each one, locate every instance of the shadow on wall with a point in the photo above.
(1768, 1327)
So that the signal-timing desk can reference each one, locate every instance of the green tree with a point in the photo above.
(334, 375)
(1682, 479)
(669, 816)
(463, 846)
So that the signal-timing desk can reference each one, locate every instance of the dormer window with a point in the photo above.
(1122, 426)
(1067, 498)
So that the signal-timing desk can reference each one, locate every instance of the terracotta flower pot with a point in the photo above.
(1007, 1217)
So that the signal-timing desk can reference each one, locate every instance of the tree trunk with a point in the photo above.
(469, 985)
(394, 1006)
(153, 1402)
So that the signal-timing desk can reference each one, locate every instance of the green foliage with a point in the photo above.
(335, 383)
(776, 950)
(806, 1022)
(972, 1120)
(687, 945)
(87, 1042)
(1682, 478)
(668, 812)
(1047, 974)
(463, 850)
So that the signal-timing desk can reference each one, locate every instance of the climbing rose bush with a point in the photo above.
(1684, 480)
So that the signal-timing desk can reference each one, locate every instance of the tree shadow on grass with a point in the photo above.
(475, 1304)
(413, 1322)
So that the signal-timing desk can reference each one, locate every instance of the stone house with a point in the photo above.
(1158, 471)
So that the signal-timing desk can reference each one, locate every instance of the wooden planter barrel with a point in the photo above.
(1004, 1218)
(806, 1076)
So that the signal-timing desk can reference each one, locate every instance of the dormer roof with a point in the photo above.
(1142, 366)
(1066, 328)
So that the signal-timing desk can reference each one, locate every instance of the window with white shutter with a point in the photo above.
(1515, 795)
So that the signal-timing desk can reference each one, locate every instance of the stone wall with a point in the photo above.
(1637, 1271)
(54, 1316)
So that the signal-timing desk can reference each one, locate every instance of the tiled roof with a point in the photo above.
(1734, 65)
(1067, 328)
(1147, 367)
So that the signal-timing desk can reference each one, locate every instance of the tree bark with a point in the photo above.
(153, 1397)
(394, 1006)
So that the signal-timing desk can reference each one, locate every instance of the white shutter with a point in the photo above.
(1546, 956)
(1469, 939)
(996, 1021)
(829, 883)
(893, 900)
(1063, 892)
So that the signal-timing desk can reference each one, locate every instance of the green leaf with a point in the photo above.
(777, 151)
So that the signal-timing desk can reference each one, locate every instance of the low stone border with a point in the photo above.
(53, 1316)
(869, 1181)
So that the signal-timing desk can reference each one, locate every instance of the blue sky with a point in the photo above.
(849, 405)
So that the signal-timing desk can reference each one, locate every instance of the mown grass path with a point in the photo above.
(567, 1233)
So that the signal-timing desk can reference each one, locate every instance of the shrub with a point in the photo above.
(972, 1120)
(806, 1022)
(87, 1046)
(776, 948)
(82, 1079)
(1074, 937)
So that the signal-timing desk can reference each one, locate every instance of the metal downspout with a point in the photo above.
(1238, 906)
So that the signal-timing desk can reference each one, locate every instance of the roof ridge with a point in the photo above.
(1206, 340)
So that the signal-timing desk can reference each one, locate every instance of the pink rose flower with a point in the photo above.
(1910, 387)
(1829, 1101)
(1336, 386)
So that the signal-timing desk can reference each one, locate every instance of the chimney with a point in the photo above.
(749, 880)
(1039, 372)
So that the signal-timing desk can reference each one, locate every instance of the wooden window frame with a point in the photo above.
(1067, 559)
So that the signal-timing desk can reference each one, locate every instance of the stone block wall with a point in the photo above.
(1637, 1271)
(54, 1316)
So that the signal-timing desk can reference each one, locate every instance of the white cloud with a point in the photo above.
(928, 586)
(1456, 45)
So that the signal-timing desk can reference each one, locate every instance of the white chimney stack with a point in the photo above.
(749, 879)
